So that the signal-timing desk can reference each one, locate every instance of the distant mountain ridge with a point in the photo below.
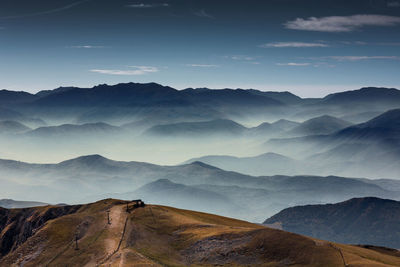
(368, 220)
(155, 100)
(14, 204)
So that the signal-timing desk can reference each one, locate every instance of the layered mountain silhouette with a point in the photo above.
(368, 220)
(90, 178)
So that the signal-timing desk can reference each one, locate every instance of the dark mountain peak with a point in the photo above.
(389, 119)
(89, 160)
(134, 86)
(384, 126)
(15, 97)
(161, 184)
(60, 89)
(202, 165)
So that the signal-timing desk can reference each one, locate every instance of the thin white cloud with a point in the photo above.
(142, 5)
(46, 12)
(393, 4)
(86, 46)
(359, 58)
(202, 65)
(203, 14)
(341, 23)
(136, 70)
(390, 44)
(241, 57)
(293, 64)
(293, 44)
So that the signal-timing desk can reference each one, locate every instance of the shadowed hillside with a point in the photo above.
(371, 221)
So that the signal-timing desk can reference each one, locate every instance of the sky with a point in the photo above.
(311, 48)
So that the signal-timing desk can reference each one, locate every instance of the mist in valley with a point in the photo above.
(210, 156)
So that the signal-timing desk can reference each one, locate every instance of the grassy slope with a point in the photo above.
(164, 236)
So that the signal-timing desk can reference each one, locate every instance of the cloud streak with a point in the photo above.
(293, 64)
(359, 58)
(136, 70)
(142, 5)
(341, 23)
(46, 12)
(86, 46)
(393, 4)
(203, 14)
(202, 65)
(292, 44)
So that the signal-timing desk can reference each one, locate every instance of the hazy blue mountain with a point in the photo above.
(14, 204)
(368, 220)
(274, 129)
(384, 126)
(12, 127)
(320, 125)
(91, 177)
(369, 149)
(94, 129)
(193, 129)
(11, 115)
(362, 117)
(264, 164)
(285, 124)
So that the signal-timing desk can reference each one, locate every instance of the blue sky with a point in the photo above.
(308, 47)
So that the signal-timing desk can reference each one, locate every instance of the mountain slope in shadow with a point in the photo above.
(368, 220)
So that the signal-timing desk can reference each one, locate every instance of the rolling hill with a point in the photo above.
(162, 236)
(368, 220)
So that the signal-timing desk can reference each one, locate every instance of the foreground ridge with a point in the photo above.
(152, 235)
